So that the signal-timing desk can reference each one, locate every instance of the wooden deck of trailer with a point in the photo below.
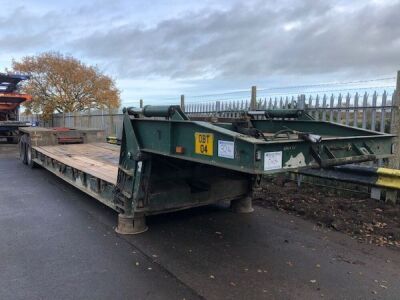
(97, 159)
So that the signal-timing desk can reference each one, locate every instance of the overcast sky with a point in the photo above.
(161, 49)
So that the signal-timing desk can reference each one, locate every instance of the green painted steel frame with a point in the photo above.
(163, 136)
(147, 141)
(182, 187)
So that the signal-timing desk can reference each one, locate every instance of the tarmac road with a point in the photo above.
(58, 243)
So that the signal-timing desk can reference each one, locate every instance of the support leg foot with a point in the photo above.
(243, 205)
(131, 225)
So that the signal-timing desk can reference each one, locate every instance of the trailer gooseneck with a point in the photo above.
(167, 162)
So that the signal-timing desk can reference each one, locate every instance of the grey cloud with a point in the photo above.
(23, 42)
(365, 40)
(20, 33)
(25, 31)
(250, 41)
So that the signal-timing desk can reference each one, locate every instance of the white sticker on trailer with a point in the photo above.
(226, 149)
(272, 160)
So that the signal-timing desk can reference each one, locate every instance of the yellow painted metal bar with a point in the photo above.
(389, 178)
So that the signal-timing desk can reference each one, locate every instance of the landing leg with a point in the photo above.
(131, 225)
(243, 205)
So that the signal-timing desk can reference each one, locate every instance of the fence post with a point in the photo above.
(141, 103)
(301, 102)
(113, 129)
(218, 108)
(391, 196)
(253, 101)
(89, 119)
(183, 102)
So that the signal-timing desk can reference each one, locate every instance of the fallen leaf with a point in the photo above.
(383, 286)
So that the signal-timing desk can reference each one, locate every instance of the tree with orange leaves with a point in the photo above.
(61, 83)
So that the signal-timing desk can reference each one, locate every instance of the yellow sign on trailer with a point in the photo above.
(204, 143)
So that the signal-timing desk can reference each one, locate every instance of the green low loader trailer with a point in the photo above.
(168, 162)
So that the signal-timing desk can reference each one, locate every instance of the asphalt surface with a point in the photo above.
(58, 243)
